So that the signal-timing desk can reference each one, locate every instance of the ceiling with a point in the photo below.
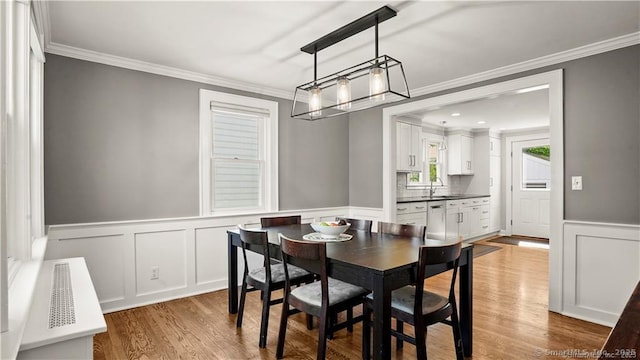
(259, 42)
(500, 112)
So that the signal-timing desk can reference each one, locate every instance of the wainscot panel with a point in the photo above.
(190, 253)
(603, 261)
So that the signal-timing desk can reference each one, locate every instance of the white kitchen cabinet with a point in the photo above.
(457, 212)
(467, 218)
(495, 185)
(485, 219)
(460, 154)
(408, 147)
(452, 225)
(487, 174)
(413, 213)
(494, 146)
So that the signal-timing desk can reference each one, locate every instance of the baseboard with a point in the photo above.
(190, 253)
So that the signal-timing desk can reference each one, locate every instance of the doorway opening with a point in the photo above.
(552, 80)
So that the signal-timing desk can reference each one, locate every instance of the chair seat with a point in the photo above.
(402, 299)
(339, 291)
(277, 273)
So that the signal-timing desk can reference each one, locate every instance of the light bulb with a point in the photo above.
(343, 95)
(315, 101)
(377, 83)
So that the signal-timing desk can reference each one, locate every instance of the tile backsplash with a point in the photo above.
(455, 185)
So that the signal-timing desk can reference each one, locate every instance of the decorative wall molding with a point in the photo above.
(132, 64)
(601, 269)
(560, 57)
(128, 63)
(191, 253)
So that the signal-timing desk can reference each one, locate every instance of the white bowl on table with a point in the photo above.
(329, 229)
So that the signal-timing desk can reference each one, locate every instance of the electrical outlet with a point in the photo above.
(155, 272)
(576, 183)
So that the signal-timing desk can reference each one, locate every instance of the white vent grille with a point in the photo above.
(61, 310)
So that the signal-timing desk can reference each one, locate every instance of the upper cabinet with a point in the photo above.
(408, 147)
(494, 146)
(460, 151)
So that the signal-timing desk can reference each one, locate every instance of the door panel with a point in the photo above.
(531, 188)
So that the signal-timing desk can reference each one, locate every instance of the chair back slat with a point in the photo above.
(357, 224)
(253, 237)
(433, 255)
(401, 229)
(302, 249)
(259, 238)
(280, 221)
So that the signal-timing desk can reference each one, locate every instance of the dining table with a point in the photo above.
(377, 262)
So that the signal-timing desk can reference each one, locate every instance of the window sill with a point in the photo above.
(239, 212)
(425, 186)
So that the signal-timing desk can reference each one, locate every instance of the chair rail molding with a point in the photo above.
(190, 254)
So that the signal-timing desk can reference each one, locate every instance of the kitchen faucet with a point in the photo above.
(431, 189)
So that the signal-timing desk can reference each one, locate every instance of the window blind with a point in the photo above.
(237, 159)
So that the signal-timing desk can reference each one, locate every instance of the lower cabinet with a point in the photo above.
(414, 213)
(467, 218)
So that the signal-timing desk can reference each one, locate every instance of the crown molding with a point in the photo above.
(563, 56)
(127, 63)
(43, 22)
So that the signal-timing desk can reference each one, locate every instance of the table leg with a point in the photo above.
(232, 286)
(381, 320)
(466, 303)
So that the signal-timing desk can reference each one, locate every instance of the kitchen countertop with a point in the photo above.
(438, 198)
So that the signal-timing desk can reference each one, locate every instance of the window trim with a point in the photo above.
(431, 139)
(270, 129)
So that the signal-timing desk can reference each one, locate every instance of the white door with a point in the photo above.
(531, 181)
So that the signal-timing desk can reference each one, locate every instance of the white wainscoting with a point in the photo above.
(190, 253)
(601, 269)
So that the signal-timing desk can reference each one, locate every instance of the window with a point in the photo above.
(536, 169)
(432, 166)
(238, 154)
(21, 69)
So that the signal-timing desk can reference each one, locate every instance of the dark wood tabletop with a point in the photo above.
(624, 339)
(378, 262)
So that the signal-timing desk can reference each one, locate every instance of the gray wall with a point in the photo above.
(365, 158)
(601, 137)
(123, 145)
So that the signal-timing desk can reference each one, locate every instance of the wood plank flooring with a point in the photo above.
(511, 321)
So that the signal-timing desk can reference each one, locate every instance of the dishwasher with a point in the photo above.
(436, 216)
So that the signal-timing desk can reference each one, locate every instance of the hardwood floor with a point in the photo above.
(511, 321)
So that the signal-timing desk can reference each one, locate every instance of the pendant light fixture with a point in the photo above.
(359, 87)
(443, 143)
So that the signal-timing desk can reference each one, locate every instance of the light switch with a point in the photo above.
(576, 183)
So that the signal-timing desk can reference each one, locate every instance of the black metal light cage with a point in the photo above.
(360, 97)
(395, 83)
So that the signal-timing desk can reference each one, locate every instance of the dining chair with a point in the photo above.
(357, 224)
(415, 306)
(322, 298)
(280, 221)
(402, 229)
(268, 278)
